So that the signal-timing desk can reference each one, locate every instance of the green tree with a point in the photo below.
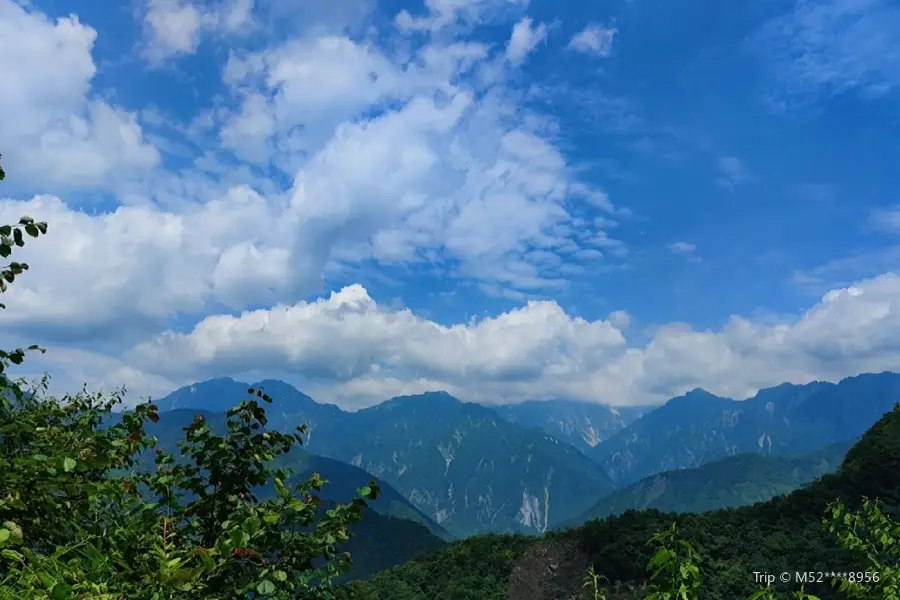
(82, 517)
(873, 538)
(870, 535)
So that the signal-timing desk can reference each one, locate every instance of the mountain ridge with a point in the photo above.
(731, 482)
(699, 427)
(344, 479)
(783, 534)
(475, 468)
(460, 463)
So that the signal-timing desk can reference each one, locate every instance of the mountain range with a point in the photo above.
(699, 427)
(460, 463)
(343, 479)
(580, 424)
(462, 468)
(782, 535)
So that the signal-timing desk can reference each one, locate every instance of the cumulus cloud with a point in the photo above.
(524, 40)
(506, 348)
(594, 39)
(417, 154)
(475, 178)
(137, 267)
(54, 133)
(472, 179)
(175, 27)
(367, 352)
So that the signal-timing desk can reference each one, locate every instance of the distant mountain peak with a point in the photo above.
(221, 393)
(700, 392)
(440, 394)
(430, 397)
(700, 397)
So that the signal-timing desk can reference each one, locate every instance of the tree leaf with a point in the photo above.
(265, 587)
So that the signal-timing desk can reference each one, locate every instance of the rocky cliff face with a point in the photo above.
(580, 424)
(468, 468)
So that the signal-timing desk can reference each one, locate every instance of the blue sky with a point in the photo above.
(502, 198)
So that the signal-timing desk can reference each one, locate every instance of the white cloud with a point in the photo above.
(594, 39)
(471, 178)
(619, 319)
(732, 172)
(441, 14)
(236, 16)
(375, 338)
(524, 39)
(53, 134)
(832, 46)
(175, 27)
(843, 271)
(117, 274)
(683, 248)
(422, 155)
(366, 352)
(466, 181)
(886, 219)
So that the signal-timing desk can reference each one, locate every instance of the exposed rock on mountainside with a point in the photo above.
(462, 464)
(698, 428)
(343, 480)
(581, 424)
(784, 534)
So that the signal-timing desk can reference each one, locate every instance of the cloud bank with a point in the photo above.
(235, 240)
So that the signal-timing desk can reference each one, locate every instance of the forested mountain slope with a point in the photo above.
(730, 482)
(782, 534)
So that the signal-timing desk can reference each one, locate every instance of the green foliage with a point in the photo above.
(477, 569)
(869, 534)
(873, 539)
(82, 525)
(593, 582)
(79, 517)
(674, 568)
